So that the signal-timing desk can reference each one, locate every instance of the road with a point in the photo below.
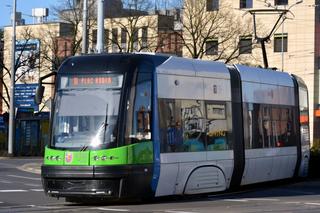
(21, 191)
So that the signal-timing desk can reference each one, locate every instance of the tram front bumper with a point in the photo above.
(112, 182)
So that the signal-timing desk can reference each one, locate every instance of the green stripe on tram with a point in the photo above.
(53, 157)
(138, 153)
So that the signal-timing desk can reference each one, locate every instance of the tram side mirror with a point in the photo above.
(39, 94)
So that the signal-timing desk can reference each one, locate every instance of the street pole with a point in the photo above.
(12, 84)
(282, 45)
(84, 27)
(100, 30)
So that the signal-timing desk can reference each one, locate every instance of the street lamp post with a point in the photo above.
(12, 84)
(100, 31)
(84, 27)
(282, 44)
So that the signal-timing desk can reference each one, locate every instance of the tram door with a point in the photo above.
(27, 138)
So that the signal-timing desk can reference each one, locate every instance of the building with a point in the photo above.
(136, 33)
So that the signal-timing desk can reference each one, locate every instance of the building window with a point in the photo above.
(212, 5)
(114, 39)
(114, 35)
(94, 37)
(245, 3)
(123, 39)
(212, 47)
(245, 45)
(280, 2)
(135, 38)
(281, 42)
(144, 37)
(106, 40)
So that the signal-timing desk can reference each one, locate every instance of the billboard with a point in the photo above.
(24, 97)
(28, 58)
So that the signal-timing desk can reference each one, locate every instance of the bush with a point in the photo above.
(314, 166)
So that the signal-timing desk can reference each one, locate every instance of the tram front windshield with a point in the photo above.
(86, 111)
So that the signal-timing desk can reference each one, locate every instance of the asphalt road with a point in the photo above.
(21, 191)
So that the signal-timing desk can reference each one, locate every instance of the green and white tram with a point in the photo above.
(140, 125)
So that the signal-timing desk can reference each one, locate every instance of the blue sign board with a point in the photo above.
(24, 97)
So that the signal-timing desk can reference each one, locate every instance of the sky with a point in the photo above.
(24, 6)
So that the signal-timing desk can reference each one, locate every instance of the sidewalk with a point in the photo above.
(34, 167)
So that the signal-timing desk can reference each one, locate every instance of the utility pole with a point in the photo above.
(12, 83)
(84, 26)
(100, 31)
(282, 44)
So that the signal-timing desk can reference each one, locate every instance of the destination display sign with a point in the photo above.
(87, 81)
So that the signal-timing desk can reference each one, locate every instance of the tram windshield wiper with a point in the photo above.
(99, 138)
(83, 148)
(105, 122)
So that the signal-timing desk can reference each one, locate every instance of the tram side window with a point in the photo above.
(256, 128)
(170, 126)
(304, 116)
(247, 120)
(268, 127)
(193, 125)
(216, 127)
(287, 127)
(276, 135)
(182, 125)
(139, 123)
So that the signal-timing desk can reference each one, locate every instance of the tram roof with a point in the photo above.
(193, 67)
(265, 76)
(101, 62)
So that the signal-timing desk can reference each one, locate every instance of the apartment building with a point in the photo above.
(139, 33)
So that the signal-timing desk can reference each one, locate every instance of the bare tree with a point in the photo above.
(218, 24)
(134, 28)
(27, 64)
(70, 12)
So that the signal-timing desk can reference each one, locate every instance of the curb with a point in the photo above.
(31, 167)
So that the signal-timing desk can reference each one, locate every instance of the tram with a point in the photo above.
(145, 125)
